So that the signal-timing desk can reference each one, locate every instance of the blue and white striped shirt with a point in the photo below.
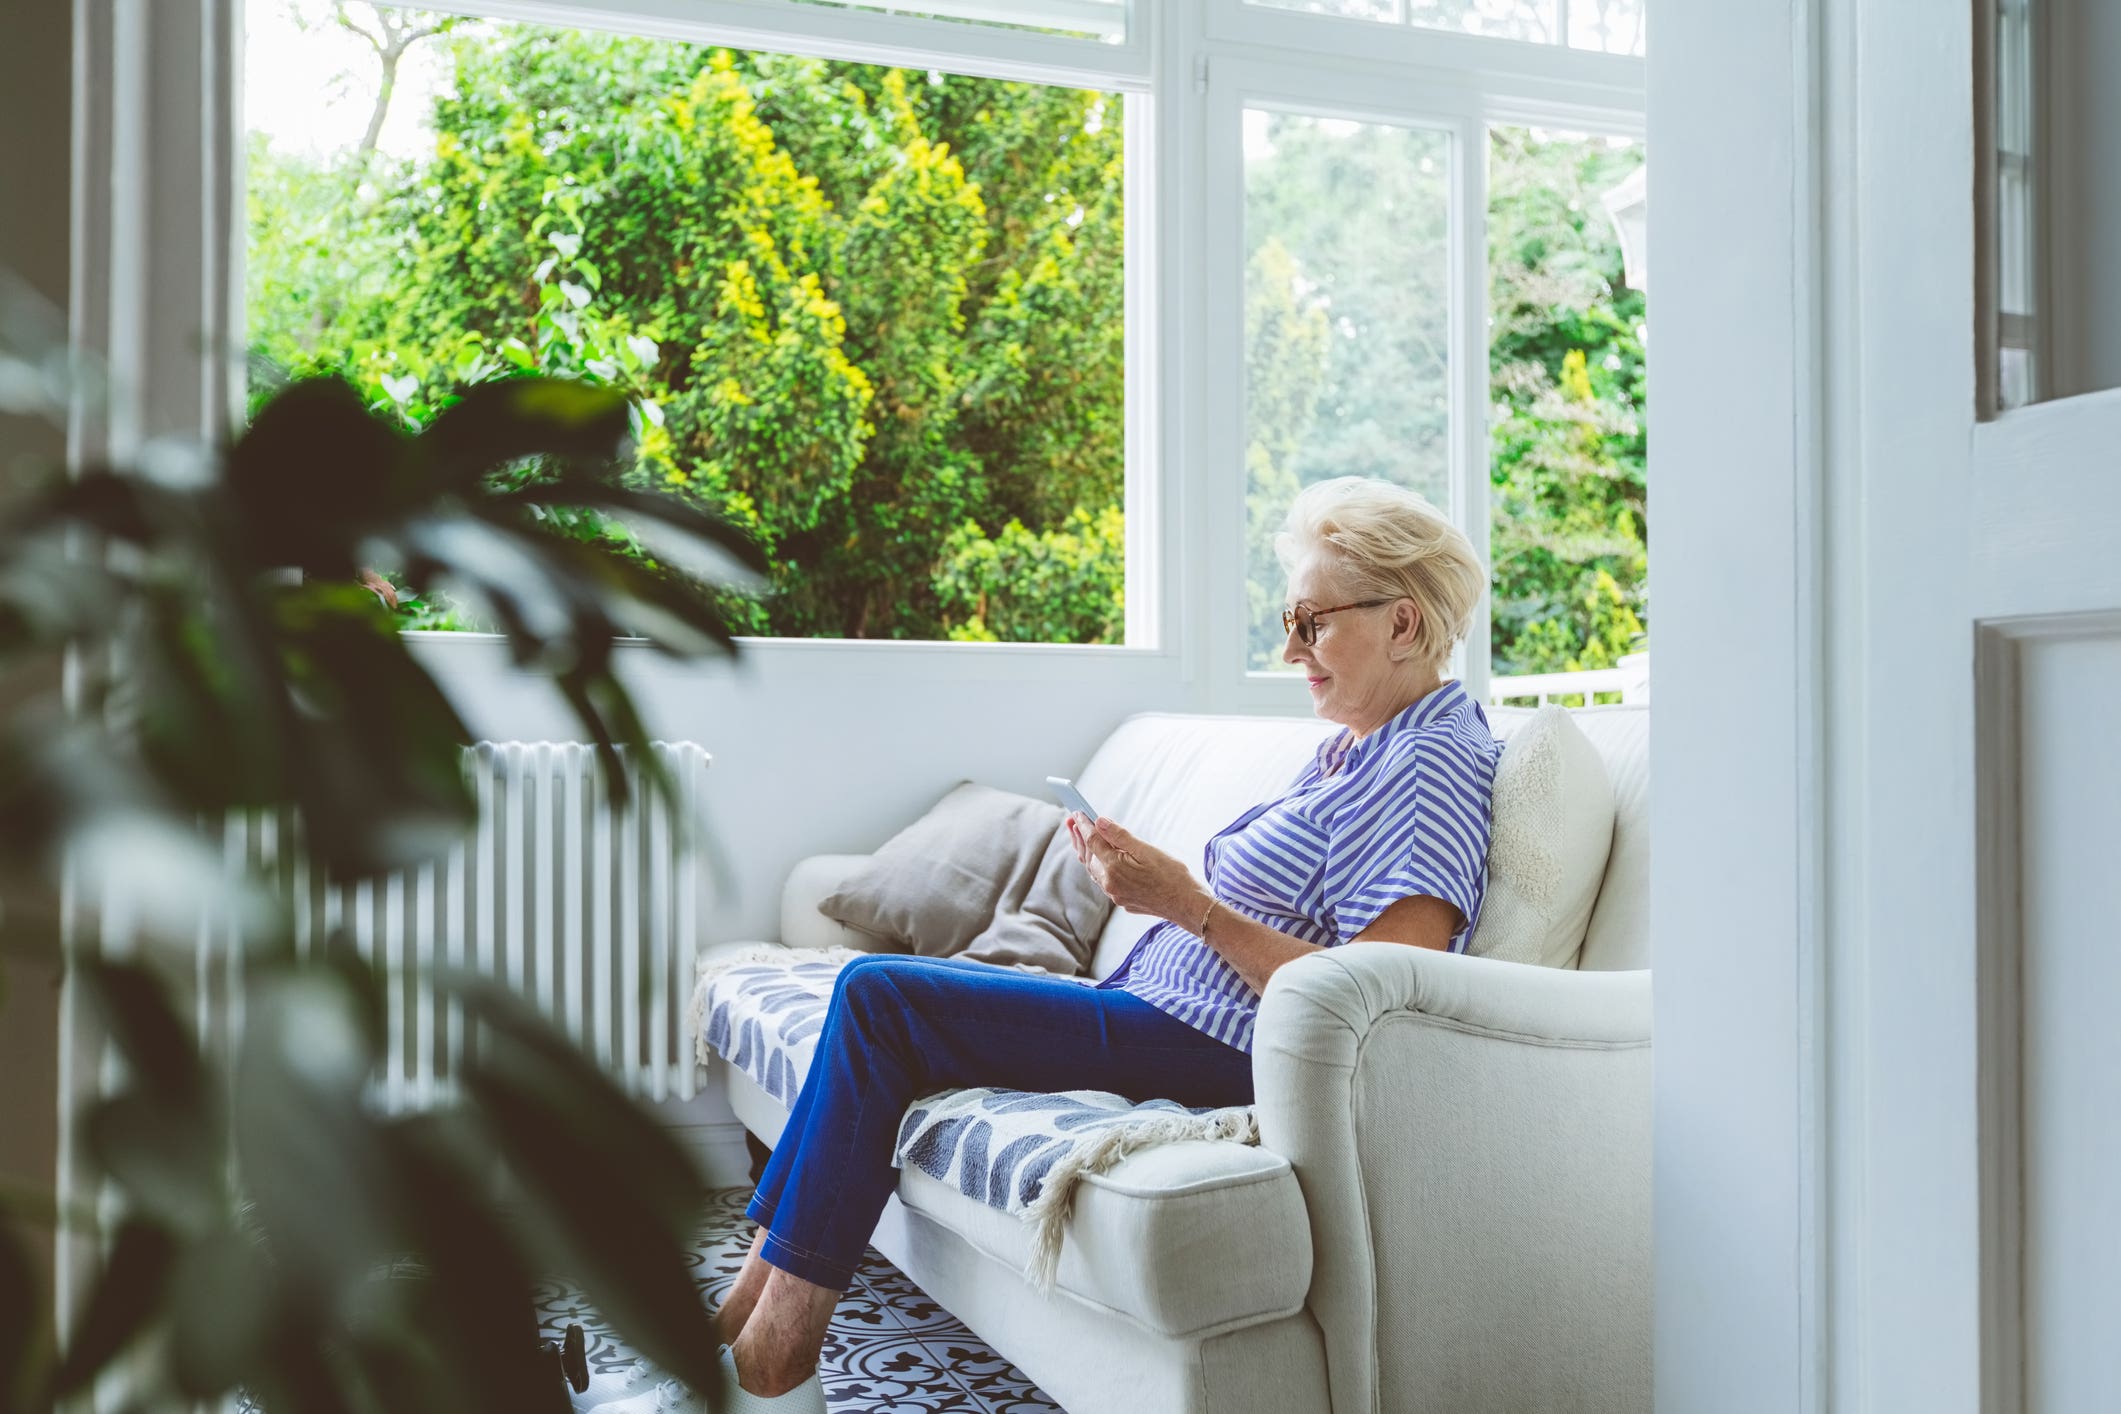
(1404, 811)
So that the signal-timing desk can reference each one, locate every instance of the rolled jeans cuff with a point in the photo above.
(818, 1271)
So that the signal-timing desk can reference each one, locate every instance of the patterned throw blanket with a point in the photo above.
(1021, 1152)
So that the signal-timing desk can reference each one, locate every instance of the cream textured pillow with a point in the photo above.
(1553, 827)
(986, 875)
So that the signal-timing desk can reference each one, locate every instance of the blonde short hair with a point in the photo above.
(1393, 544)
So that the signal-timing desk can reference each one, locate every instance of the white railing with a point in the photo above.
(1629, 682)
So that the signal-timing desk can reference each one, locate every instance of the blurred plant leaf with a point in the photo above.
(155, 1041)
(506, 420)
(128, 1297)
(22, 1322)
(281, 1234)
(475, 1281)
(313, 471)
(614, 1199)
(164, 1157)
(222, 1301)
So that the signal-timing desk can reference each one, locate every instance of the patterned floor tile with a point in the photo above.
(890, 1349)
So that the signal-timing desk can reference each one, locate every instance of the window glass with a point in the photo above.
(1610, 26)
(873, 315)
(1347, 323)
(1079, 19)
(1390, 11)
(2050, 222)
(1568, 336)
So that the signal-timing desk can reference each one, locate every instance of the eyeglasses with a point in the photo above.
(1304, 622)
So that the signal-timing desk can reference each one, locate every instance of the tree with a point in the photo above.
(392, 33)
(1347, 325)
(884, 304)
(881, 306)
(1569, 437)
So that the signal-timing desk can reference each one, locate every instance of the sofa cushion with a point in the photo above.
(1553, 828)
(1181, 1238)
(1618, 939)
(985, 874)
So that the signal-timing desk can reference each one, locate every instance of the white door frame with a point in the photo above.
(1739, 811)
(1864, 596)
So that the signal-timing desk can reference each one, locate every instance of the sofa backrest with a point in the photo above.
(1176, 778)
(1618, 939)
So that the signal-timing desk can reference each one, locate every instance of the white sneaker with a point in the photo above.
(614, 1385)
(673, 1397)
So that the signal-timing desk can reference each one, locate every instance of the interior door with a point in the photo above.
(1974, 596)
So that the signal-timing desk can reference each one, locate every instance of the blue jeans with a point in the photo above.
(898, 1028)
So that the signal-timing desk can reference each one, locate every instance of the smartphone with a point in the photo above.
(1070, 796)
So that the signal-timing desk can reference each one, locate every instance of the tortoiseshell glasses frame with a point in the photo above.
(1304, 622)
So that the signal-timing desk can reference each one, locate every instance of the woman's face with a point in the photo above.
(1354, 680)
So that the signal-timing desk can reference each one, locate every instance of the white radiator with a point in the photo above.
(593, 916)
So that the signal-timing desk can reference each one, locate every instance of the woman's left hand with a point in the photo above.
(1137, 876)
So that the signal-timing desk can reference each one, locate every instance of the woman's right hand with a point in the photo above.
(1079, 834)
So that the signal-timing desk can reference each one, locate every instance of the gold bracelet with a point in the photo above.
(1202, 931)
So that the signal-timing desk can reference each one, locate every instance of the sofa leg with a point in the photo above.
(759, 1154)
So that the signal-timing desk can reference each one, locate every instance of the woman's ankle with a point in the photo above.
(767, 1372)
(729, 1323)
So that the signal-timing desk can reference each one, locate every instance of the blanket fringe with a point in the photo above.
(714, 966)
(1049, 1212)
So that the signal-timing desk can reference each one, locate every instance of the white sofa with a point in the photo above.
(1450, 1205)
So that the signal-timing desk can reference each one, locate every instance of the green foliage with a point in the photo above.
(1569, 437)
(863, 308)
(1048, 586)
(860, 307)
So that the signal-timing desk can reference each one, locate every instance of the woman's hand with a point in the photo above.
(1137, 876)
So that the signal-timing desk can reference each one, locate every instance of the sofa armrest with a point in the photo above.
(1473, 1142)
(810, 883)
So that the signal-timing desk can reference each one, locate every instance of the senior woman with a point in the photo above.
(1382, 837)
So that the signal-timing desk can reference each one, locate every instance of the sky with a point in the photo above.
(312, 89)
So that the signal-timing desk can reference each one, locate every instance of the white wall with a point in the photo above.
(831, 747)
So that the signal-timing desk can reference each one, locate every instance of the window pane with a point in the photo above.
(875, 316)
(1538, 20)
(1081, 19)
(1347, 323)
(1612, 26)
(1391, 11)
(1568, 426)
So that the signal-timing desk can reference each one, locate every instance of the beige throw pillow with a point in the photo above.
(1553, 828)
(986, 875)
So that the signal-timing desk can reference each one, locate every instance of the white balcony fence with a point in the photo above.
(1629, 682)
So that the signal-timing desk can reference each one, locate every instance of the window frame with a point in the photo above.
(1332, 79)
(160, 117)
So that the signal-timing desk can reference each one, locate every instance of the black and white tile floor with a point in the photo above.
(890, 1350)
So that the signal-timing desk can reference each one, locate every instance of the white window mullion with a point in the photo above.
(1218, 476)
(1147, 339)
(1469, 376)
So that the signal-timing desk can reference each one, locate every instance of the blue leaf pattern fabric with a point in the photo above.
(1002, 1148)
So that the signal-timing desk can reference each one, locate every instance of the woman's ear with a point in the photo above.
(1406, 623)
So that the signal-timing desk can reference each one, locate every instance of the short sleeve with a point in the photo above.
(1417, 822)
